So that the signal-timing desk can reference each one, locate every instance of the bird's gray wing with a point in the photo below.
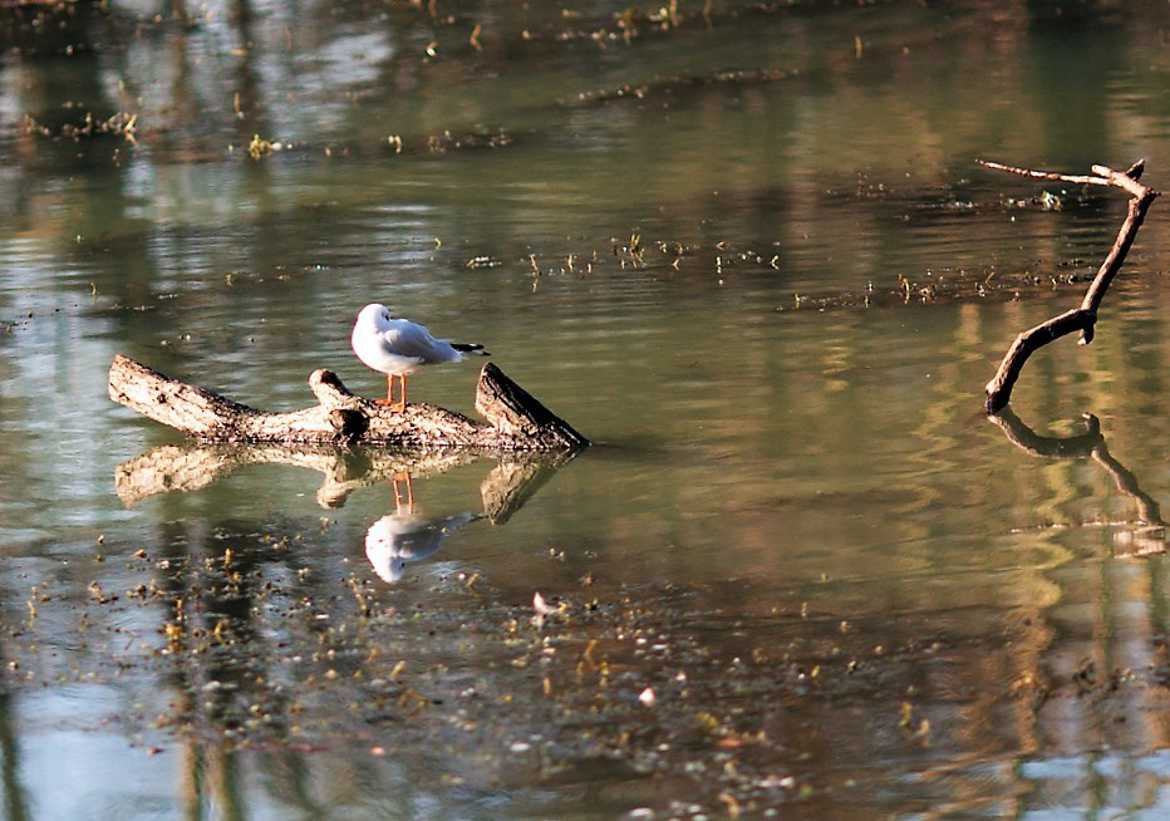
(410, 339)
(422, 542)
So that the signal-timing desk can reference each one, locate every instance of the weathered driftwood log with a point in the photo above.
(183, 468)
(516, 421)
(1083, 318)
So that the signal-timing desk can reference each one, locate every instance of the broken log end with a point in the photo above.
(514, 411)
(329, 389)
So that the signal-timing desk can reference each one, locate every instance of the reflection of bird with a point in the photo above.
(400, 537)
(398, 347)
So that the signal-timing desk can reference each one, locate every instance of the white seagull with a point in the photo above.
(399, 347)
(398, 538)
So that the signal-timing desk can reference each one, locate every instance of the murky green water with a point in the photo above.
(850, 594)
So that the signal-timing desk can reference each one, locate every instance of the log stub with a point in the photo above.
(515, 411)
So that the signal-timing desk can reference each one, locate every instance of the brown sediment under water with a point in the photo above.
(745, 248)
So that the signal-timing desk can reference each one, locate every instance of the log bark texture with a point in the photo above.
(515, 420)
(1084, 317)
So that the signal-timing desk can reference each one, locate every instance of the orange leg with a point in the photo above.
(400, 405)
(389, 400)
(403, 477)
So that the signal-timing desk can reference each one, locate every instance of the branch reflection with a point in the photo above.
(1150, 538)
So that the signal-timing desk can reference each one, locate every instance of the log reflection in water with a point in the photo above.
(1147, 539)
(193, 467)
(514, 479)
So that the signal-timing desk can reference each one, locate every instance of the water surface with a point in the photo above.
(749, 255)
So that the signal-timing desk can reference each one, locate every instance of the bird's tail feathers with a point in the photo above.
(470, 347)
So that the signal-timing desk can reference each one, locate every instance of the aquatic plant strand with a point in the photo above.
(1083, 318)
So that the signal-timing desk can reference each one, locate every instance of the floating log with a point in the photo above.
(1084, 317)
(515, 420)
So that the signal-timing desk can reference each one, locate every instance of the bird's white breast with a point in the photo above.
(370, 347)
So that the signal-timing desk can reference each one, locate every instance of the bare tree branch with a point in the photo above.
(1084, 318)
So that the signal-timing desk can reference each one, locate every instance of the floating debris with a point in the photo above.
(260, 147)
(483, 262)
(540, 606)
(123, 124)
(447, 141)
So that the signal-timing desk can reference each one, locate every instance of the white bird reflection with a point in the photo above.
(407, 536)
(404, 536)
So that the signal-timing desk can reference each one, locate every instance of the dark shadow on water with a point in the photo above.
(15, 807)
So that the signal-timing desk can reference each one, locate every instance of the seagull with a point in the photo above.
(400, 537)
(399, 347)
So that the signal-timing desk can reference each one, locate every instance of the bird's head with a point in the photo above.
(374, 315)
